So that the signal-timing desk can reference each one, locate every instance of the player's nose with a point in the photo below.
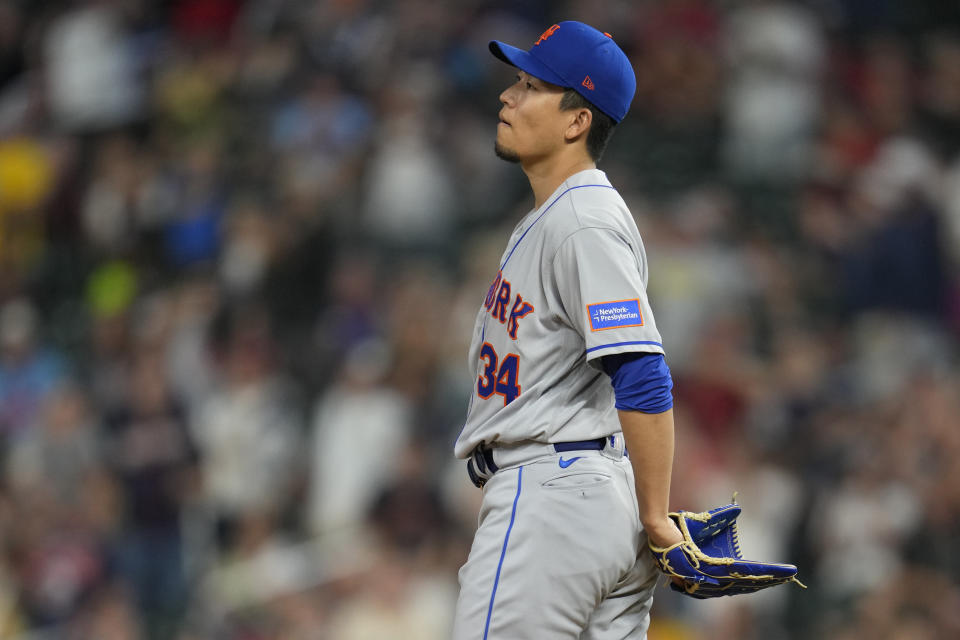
(506, 97)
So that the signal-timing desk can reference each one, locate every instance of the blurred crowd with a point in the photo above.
(242, 245)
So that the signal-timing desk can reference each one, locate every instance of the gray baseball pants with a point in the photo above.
(559, 552)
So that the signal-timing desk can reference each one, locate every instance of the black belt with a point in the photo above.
(581, 445)
(480, 466)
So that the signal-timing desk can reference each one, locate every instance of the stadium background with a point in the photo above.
(242, 244)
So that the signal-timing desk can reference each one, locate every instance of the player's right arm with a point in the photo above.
(649, 438)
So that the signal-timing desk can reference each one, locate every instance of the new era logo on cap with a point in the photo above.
(575, 55)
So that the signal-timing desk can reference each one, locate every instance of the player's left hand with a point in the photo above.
(663, 532)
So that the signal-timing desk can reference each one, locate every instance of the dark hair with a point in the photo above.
(600, 130)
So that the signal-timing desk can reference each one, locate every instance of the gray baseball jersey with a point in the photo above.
(571, 288)
(557, 552)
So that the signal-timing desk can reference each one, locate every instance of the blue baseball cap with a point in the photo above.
(575, 55)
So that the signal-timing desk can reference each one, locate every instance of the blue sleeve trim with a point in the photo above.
(641, 381)
(623, 344)
(503, 553)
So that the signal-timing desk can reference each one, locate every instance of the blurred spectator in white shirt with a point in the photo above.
(92, 79)
(775, 53)
(357, 420)
(249, 428)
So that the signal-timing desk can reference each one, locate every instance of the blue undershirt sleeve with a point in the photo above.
(641, 381)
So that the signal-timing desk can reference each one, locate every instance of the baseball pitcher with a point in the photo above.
(569, 427)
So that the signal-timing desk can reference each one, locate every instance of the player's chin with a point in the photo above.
(505, 153)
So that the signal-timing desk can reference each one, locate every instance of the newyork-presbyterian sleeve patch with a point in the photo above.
(614, 315)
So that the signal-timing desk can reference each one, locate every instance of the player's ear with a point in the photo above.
(578, 123)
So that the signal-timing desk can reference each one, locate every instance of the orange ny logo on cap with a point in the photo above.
(588, 83)
(546, 34)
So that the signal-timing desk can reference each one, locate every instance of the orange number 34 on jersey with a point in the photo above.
(500, 377)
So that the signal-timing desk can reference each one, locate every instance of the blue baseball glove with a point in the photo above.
(709, 562)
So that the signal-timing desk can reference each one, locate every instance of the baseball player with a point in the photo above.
(570, 374)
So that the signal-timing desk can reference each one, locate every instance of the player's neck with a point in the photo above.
(546, 176)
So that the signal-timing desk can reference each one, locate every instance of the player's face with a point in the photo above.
(531, 122)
